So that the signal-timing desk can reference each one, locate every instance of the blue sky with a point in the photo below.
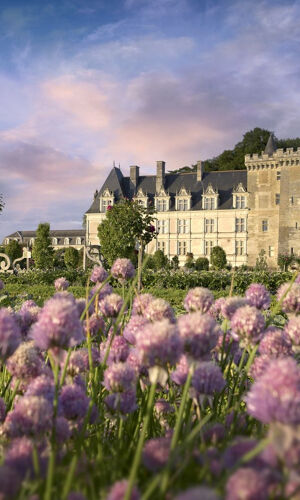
(84, 83)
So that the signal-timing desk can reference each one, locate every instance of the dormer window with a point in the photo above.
(106, 200)
(66, 241)
(210, 198)
(239, 197)
(162, 201)
(78, 241)
(31, 242)
(183, 200)
(141, 198)
(54, 241)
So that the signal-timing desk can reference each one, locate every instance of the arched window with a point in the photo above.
(31, 242)
(54, 241)
(66, 241)
(78, 241)
(6, 241)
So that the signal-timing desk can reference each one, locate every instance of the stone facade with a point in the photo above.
(60, 238)
(242, 211)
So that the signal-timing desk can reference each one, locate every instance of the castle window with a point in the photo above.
(209, 203)
(239, 247)
(278, 174)
(292, 251)
(239, 225)
(271, 251)
(161, 205)
(66, 241)
(181, 248)
(182, 204)
(106, 203)
(296, 225)
(209, 225)
(162, 226)
(277, 199)
(291, 201)
(54, 241)
(182, 226)
(264, 226)
(161, 245)
(78, 241)
(6, 241)
(31, 242)
(208, 246)
(240, 201)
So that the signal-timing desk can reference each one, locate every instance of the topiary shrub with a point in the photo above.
(218, 258)
(202, 264)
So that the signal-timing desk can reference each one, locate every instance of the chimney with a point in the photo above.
(160, 175)
(134, 175)
(200, 171)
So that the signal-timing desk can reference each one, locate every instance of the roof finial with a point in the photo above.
(114, 164)
(271, 145)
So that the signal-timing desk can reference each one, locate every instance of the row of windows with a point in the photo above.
(240, 247)
(54, 241)
(210, 226)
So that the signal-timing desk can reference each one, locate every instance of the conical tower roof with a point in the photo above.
(271, 145)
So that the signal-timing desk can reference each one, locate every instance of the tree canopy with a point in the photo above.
(14, 250)
(254, 141)
(126, 224)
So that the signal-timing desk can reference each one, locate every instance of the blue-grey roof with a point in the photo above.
(223, 181)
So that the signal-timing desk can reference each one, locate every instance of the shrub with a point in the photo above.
(261, 262)
(42, 251)
(159, 259)
(175, 262)
(13, 249)
(218, 258)
(284, 261)
(71, 258)
(202, 264)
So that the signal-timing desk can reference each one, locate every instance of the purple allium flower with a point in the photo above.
(199, 333)
(216, 309)
(215, 433)
(231, 305)
(62, 429)
(156, 453)
(10, 482)
(81, 305)
(292, 329)
(27, 315)
(248, 484)
(75, 495)
(76, 364)
(230, 346)
(26, 362)
(95, 324)
(258, 296)
(95, 356)
(125, 402)
(135, 360)
(2, 410)
(119, 349)
(19, 456)
(135, 323)
(101, 291)
(159, 309)
(123, 270)
(198, 299)
(1, 285)
(197, 493)
(99, 274)
(61, 284)
(276, 342)
(236, 450)
(42, 386)
(118, 490)
(31, 415)
(159, 343)
(10, 334)
(111, 305)
(291, 301)
(179, 375)
(260, 365)
(163, 407)
(275, 396)
(140, 303)
(247, 325)
(58, 325)
(208, 379)
(119, 377)
(74, 402)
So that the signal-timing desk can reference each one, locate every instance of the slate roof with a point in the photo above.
(271, 145)
(223, 181)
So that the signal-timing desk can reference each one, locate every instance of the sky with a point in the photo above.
(85, 83)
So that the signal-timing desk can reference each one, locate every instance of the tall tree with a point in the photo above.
(42, 251)
(126, 224)
(71, 257)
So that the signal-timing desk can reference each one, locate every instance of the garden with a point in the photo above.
(180, 392)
